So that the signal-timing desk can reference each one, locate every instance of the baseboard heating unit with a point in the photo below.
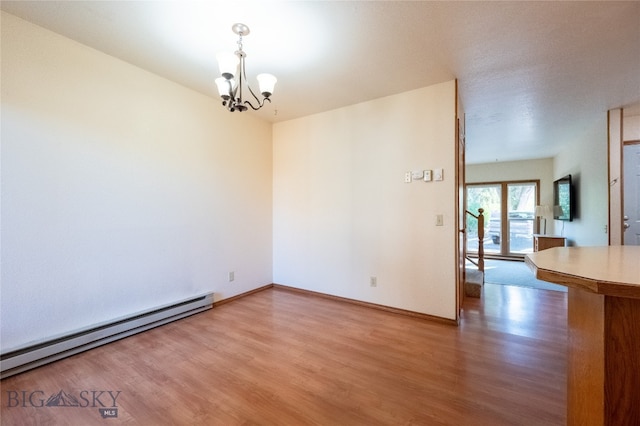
(31, 356)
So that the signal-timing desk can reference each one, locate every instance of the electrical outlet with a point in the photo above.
(232, 276)
(373, 282)
(407, 177)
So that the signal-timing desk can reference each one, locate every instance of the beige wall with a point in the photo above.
(585, 158)
(342, 212)
(631, 128)
(121, 190)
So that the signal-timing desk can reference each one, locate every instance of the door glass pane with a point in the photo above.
(486, 197)
(520, 217)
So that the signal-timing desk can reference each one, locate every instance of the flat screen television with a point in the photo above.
(563, 199)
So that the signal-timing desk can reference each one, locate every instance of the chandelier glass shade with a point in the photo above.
(233, 85)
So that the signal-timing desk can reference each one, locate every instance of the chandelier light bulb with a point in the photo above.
(266, 82)
(228, 64)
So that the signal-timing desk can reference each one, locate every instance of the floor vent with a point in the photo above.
(32, 356)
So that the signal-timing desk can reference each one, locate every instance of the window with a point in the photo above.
(509, 215)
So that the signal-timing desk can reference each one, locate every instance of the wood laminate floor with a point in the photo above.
(283, 358)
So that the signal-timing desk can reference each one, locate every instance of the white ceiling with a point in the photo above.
(531, 74)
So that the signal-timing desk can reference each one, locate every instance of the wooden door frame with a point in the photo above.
(460, 208)
(615, 171)
(616, 179)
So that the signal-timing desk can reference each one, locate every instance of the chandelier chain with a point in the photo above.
(240, 43)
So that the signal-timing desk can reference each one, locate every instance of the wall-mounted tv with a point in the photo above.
(563, 199)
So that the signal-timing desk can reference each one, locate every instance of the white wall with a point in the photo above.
(342, 212)
(541, 169)
(631, 128)
(585, 158)
(121, 190)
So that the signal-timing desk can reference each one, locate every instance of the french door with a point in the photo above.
(509, 216)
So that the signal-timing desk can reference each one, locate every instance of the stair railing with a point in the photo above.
(480, 218)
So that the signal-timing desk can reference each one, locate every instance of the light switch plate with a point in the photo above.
(438, 174)
(427, 175)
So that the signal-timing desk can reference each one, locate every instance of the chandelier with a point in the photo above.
(234, 78)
